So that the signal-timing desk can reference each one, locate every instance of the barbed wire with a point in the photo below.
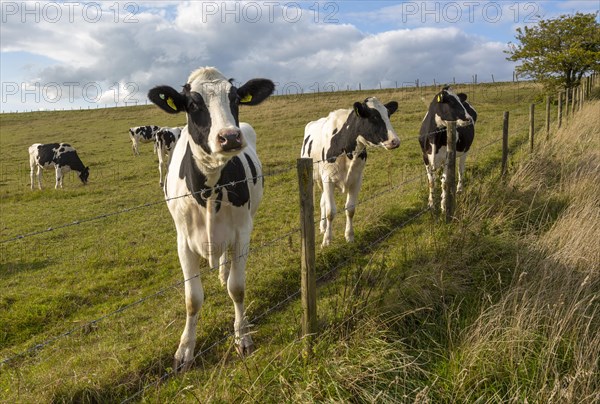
(200, 192)
(142, 206)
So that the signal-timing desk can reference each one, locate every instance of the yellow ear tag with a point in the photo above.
(246, 99)
(439, 98)
(171, 104)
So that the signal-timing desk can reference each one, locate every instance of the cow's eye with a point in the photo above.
(195, 102)
(194, 106)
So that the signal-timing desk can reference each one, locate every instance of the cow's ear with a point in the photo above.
(361, 110)
(167, 99)
(462, 97)
(440, 97)
(392, 107)
(255, 91)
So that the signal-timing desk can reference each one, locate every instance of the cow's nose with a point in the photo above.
(230, 139)
(392, 144)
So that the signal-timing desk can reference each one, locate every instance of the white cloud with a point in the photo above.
(107, 57)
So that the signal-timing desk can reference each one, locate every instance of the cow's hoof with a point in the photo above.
(180, 366)
(245, 349)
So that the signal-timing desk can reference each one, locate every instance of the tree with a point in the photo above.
(558, 52)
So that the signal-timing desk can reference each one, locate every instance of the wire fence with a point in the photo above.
(282, 236)
(288, 89)
(204, 193)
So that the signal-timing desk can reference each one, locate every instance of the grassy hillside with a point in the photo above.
(400, 310)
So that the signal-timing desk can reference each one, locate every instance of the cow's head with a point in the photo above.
(211, 103)
(446, 106)
(84, 174)
(374, 127)
(472, 113)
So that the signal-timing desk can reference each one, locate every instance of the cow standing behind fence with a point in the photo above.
(446, 106)
(337, 143)
(213, 189)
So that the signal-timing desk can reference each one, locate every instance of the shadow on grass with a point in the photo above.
(9, 269)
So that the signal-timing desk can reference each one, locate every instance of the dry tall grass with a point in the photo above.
(541, 341)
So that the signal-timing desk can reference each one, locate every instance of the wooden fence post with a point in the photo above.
(567, 99)
(547, 117)
(573, 96)
(560, 110)
(450, 183)
(531, 126)
(505, 143)
(589, 86)
(307, 232)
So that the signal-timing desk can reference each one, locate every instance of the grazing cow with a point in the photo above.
(446, 106)
(143, 134)
(61, 156)
(213, 189)
(338, 145)
(165, 142)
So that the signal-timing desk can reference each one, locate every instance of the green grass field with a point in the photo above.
(104, 297)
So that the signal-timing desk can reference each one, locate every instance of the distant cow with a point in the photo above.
(213, 188)
(61, 156)
(142, 134)
(338, 145)
(446, 106)
(165, 142)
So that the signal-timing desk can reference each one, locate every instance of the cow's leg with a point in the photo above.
(236, 285)
(351, 200)
(323, 221)
(461, 172)
(160, 167)
(32, 175)
(134, 146)
(330, 211)
(194, 297)
(431, 180)
(59, 177)
(444, 172)
(39, 177)
(223, 269)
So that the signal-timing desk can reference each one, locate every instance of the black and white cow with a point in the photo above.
(61, 156)
(142, 134)
(165, 142)
(446, 106)
(213, 188)
(338, 144)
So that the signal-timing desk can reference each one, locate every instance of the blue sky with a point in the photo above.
(57, 55)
